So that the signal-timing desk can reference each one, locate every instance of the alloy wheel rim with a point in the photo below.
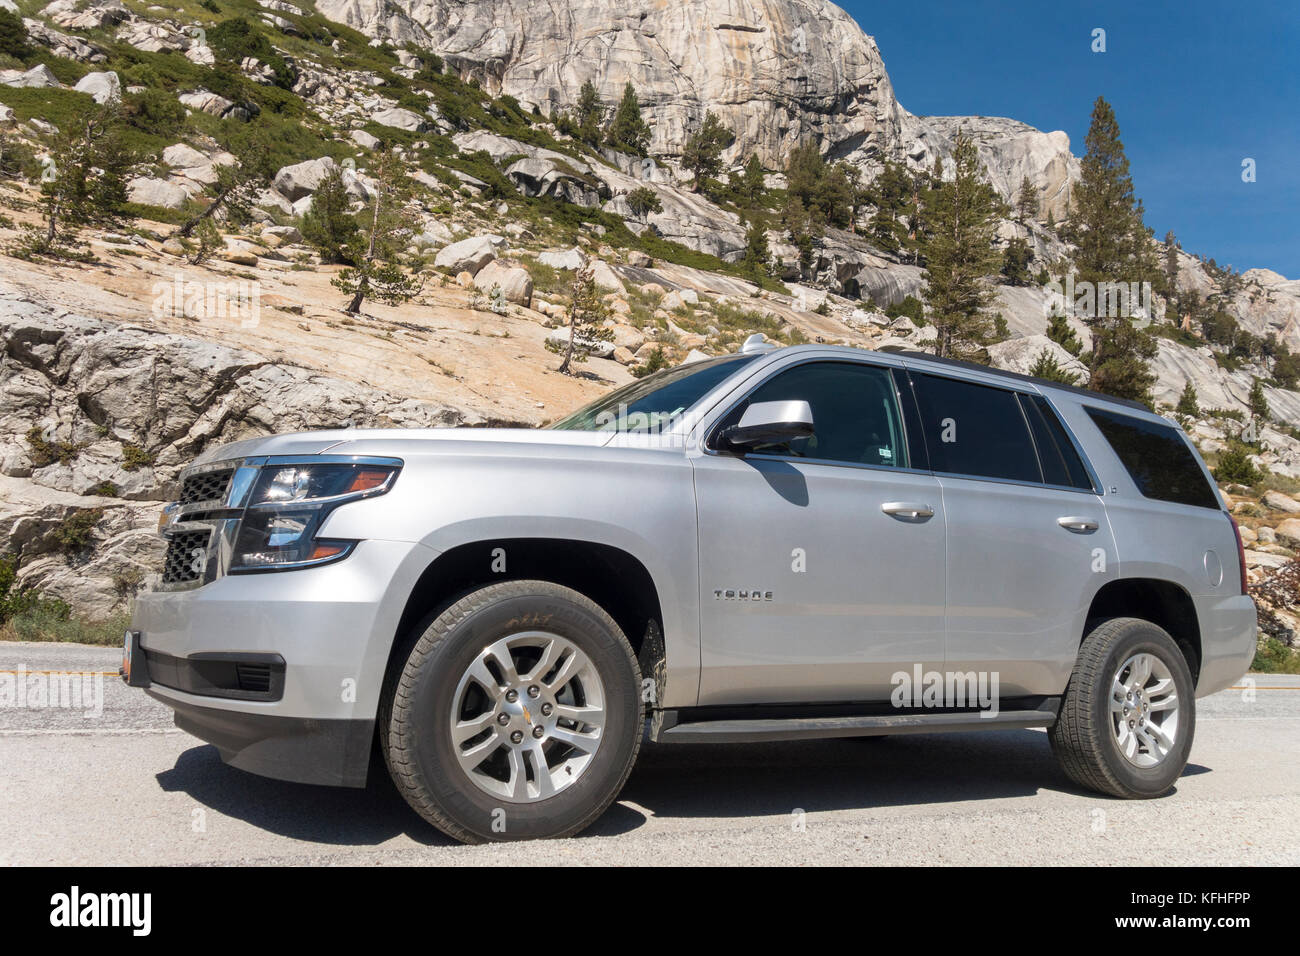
(528, 716)
(1144, 710)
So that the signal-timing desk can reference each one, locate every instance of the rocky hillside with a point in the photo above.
(107, 387)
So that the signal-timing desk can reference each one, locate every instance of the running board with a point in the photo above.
(756, 730)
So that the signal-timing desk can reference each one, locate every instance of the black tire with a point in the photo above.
(416, 714)
(1083, 738)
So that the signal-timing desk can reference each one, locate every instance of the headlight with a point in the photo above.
(289, 503)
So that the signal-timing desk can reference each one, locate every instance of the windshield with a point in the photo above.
(655, 402)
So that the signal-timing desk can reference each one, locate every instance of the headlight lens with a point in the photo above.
(289, 503)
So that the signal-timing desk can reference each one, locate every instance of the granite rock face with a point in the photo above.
(777, 72)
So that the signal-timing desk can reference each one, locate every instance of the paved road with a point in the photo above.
(124, 786)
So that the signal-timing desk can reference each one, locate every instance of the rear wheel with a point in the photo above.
(517, 714)
(1128, 715)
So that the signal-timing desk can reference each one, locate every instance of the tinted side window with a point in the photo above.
(1056, 453)
(1156, 458)
(855, 413)
(975, 430)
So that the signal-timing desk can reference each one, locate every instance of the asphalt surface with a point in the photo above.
(123, 786)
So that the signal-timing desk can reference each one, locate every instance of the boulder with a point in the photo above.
(606, 278)
(206, 102)
(566, 259)
(469, 255)
(399, 118)
(1280, 502)
(363, 139)
(38, 77)
(514, 281)
(102, 87)
(1288, 533)
(156, 192)
(302, 179)
(1020, 355)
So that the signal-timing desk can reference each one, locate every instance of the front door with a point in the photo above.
(822, 560)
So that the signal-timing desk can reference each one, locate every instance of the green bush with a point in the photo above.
(76, 532)
(1274, 657)
(1235, 466)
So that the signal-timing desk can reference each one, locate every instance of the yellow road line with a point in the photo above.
(74, 673)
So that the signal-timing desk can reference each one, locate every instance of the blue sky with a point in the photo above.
(1197, 87)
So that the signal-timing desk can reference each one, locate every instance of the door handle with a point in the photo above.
(1078, 525)
(909, 510)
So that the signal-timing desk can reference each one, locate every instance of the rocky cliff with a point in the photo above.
(777, 72)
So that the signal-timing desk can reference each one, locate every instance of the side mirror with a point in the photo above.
(766, 423)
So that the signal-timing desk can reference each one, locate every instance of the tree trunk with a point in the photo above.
(568, 352)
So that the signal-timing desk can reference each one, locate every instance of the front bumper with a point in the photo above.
(323, 636)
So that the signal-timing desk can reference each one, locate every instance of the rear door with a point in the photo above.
(1029, 543)
(822, 559)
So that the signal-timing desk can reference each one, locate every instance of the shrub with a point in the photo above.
(1235, 466)
(76, 532)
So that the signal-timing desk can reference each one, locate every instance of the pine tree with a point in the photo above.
(753, 184)
(702, 153)
(1015, 262)
(83, 180)
(960, 255)
(1046, 367)
(1026, 202)
(1189, 405)
(1113, 246)
(628, 131)
(377, 271)
(1060, 332)
(757, 251)
(589, 114)
(587, 310)
(232, 194)
(327, 224)
(1257, 401)
(643, 201)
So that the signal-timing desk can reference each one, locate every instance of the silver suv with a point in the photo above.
(780, 544)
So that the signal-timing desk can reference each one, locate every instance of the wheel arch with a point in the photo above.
(1163, 603)
(613, 578)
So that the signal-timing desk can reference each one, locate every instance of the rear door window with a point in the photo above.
(975, 430)
(1157, 458)
(1056, 453)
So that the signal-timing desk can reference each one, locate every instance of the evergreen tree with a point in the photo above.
(589, 114)
(377, 271)
(587, 310)
(800, 227)
(232, 194)
(1257, 401)
(753, 184)
(1189, 405)
(628, 131)
(825, 191)
(1026, 202)
(643, 200)
(83, 180)
(757, 252)
(1171, 264)
(1015, 262)
(891, 193)
(1046, 367)
(702, 154)
(327, 224)
(13, 36)
(960, 255)
(1113, 246)
(1060, 332)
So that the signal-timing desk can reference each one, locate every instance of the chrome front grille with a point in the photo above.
(187, 556)
(205, 486)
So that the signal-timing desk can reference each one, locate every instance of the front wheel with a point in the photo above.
(1126, 722)
(516, 716)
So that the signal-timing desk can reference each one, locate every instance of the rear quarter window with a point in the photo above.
(1157, 458)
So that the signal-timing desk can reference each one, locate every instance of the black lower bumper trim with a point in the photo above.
(333, 753)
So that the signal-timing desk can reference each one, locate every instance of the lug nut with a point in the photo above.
(512, 695)
(517, 737)
(538, 731)
(534, 691)
(547, 709)
(503, 719)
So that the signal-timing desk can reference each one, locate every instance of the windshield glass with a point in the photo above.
(655, 402)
